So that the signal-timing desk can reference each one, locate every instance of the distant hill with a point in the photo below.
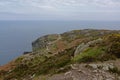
(75, 55)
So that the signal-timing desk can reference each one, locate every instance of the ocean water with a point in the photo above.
(17, 36)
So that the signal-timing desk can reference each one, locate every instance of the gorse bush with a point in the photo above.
(114, 44)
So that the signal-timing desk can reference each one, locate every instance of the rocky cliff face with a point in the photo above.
(74, 55)
(83, 46)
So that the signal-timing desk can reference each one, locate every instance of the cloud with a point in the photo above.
(59, 7)
(57, 4)
(63, 2)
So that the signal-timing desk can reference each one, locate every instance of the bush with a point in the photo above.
(114, 44)
(106, 57)
(87, 59)
(114, 70)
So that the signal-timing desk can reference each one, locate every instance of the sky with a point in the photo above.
(60, 10)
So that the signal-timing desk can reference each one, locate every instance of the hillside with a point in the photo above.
(75, 55)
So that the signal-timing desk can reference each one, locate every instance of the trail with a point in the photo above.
(50, 43)
(59, 37)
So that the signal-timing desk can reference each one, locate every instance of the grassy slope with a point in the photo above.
(42, 65)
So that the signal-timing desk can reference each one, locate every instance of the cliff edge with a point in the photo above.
(87, 54)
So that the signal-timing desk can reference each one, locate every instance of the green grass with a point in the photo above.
(89, 54)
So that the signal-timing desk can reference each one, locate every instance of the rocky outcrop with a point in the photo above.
(84, 46)
(92, 71)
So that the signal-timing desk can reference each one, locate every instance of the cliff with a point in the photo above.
(78, 54)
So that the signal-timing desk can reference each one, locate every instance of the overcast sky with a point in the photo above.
(59, 9)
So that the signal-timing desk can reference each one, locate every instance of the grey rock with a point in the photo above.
(94, 66)
(95, 71)
(84, 46)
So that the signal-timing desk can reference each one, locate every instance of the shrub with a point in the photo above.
(106, 57)
(114, 44)
(114, 70)
(87, 59)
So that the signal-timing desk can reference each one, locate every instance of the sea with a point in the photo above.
(16, 36)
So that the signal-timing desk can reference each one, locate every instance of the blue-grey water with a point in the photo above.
(16, 36)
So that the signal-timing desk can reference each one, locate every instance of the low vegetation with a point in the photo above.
(89, 55)
(114, 70)
(108, 49)
(37, 66)
(114, 44)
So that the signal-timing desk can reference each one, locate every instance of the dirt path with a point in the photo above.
(50, 43)
(59, 37)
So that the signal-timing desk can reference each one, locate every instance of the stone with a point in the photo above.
(95, 79)
(95, 71)
(100, 77)
(68, 73)
(73, 67)
(109, 79)
(84, 46)
(106, 68)
(94, 66)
